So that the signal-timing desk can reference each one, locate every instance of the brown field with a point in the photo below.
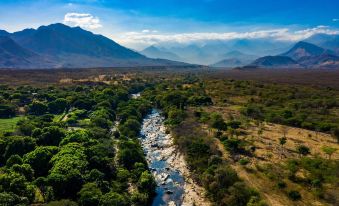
(311, 77)
(314, 77)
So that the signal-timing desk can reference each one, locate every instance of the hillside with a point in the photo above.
(13, 55)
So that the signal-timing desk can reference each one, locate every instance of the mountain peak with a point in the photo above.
(304, 49)
(158, 53)
(151, 48)
(56, 26)
(306, 45)
(3, 33)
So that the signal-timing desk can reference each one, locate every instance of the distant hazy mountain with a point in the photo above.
(235, 59)
(326, 41)
(58, 45)
(275, 62)
(304, 49)
(190, 53)
(212, 51)
(154, 52)
(229, 63)
(302, 54)
(240, 55)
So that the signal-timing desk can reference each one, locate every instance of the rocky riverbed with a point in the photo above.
(175, 187)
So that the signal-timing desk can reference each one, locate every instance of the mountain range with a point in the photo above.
(58, 45)
(61, 46)
(301, 55)
(212, 52)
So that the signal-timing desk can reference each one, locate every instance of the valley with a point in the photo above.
(169, 136)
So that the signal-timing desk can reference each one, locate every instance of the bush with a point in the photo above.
(244, 161)
(62, 203)
(294, 195)
(281, 185)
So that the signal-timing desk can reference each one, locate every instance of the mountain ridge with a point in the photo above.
(58, 45)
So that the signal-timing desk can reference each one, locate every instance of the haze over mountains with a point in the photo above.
(319, 50)
(214, 51)
(58, 45)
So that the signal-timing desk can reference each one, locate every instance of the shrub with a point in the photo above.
(244, 161)
(281, 185)
(294, 195)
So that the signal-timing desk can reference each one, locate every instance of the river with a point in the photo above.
(159, 149)
(174, 184)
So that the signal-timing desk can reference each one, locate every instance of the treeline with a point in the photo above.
(221, 182)
(66, 150)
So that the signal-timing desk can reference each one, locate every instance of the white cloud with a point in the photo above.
(146, 37)
(84, 20)
(149, 31)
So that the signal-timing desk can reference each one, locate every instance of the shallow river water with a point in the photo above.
(160, 152)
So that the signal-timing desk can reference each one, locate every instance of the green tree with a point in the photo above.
(62, 203)
(14, 159)
(303, 150)
(7, 111)
(130, 128)
(17, 145)
(146, 182)
(50, 135)
(282, 142)
(40, 158)
(113, 199)
(335, 134)
(130, 153)
(329, 151)
(57, 106)
(89, 195)
(37, 108)
(217, 122)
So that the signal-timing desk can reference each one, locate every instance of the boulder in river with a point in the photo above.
(169, 192)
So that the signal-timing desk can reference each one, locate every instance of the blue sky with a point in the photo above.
(138, 23)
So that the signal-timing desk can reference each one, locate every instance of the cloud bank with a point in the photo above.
(83, 20)
(283, 34)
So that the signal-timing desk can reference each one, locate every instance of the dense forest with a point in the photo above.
(66, 149)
